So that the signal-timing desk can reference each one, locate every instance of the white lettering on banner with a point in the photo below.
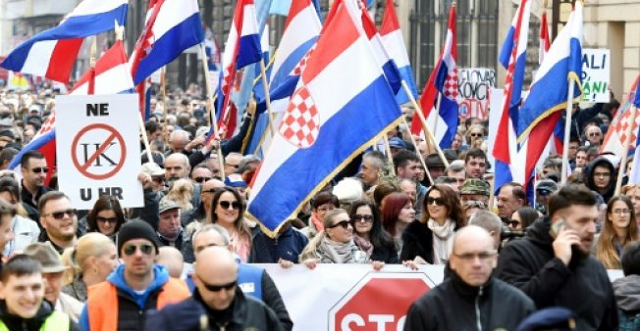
(318, 300)
(595, 75)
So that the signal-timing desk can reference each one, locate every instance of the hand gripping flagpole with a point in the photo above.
(627, 143)
(425, 128)
(209, 105)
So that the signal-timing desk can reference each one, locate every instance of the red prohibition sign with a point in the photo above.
(114, 134)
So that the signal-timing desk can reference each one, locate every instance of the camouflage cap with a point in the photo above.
(476, 186)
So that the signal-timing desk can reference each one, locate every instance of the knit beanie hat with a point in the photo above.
(136, 229)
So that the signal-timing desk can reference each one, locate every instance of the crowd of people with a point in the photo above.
(183, 260)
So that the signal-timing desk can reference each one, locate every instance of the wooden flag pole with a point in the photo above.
(567, 133)
(625, 156)
(423, 121)
(415, 145)
(387, 148)
(267, 97)
(209, 106)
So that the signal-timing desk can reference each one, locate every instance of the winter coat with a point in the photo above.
(627, 291)
(455, 305)
(287, 246)
(588, 177)
(417, 240)
(583, 286)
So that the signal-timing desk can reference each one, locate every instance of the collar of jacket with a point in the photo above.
(239, 306)
(467, 291)
(46, 308)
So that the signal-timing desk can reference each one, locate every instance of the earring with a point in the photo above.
(95, 270)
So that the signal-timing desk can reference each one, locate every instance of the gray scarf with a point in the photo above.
(329, 251)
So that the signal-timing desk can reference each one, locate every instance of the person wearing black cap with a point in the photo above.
(134, 287)
(555, 318)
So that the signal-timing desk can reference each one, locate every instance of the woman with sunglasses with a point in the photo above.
(397, 214)
(430, 239)
(335, 243)
(228, 211)
(522, 218)
(90, 262)
(26, 230)
(369, 235)
(620, 229)
(105, 217)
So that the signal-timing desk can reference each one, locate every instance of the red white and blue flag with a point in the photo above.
(380, 51)
(544, 106)
(242, 48)
(397, 49)
(617, 133)
(443, 81)
(52, 53)
(313, 127)
(634, 175)
(111, 75)
(513, 57)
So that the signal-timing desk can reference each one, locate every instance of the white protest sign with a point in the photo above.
(98, 148)
(474, 86)
(596, 72)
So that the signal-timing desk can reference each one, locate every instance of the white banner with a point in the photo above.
(596, 67)
(345, 297)
(474, 86)
(98, 148)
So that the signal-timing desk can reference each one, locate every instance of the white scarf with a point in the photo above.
(442, 240)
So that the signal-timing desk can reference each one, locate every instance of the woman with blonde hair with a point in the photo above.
(632, 191)
(620, 229)
(90, 262)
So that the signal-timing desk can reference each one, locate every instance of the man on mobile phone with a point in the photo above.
(552, 264)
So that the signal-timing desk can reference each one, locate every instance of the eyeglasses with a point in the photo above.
(60, 214)
(344, 224)
(470, 257)
(622, 211)
(40, 170)
(131, 249)
(436, 201)
(362, 218)
(202, 179)
(594, 134)
(226, 204)
(218, 288)
(112, 220)
(158, 180)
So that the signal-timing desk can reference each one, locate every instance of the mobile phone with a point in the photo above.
(557, 226)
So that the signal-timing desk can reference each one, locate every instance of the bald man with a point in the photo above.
(218, 303)
(453, 305)
(171, 258)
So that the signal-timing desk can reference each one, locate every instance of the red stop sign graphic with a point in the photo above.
(379, 301)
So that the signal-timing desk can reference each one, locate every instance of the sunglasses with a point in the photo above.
(158, 180)
(436, 201)
(131, 249)
(60, 214)
(344, 224)
(40, 170)
(513, 223)
(476, 134)
(112, 220)
(202, 179)
(362, 218)
(226, 205)
(218, 288)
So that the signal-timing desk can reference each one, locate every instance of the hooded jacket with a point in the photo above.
(455, 305)
(589, 181)
(17, 323)
(583, 286)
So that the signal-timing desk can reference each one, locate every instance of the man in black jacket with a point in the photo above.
(552, 263)
(471, 298)
(218, 303)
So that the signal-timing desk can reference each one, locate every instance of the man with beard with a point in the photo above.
(552, 263)
(59, 221)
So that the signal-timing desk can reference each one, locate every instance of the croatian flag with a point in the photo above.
(543, 107)
(513, 55)
(617, 132)
(242, 48)
(443, 81)
(634, 176)
(397, 49)
(111, 75)
(52, 53)
(313, 127)
(172, 26)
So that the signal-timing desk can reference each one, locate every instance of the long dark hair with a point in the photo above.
(238, 223)
(379, 237)
(105, 202)
(451, 201)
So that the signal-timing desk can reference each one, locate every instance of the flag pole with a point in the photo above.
(425, 128)
(387, 148)
(625, 155)
(437, 117)
(567, 132)
(163, 92)
(267, 96)
(209, 106)
(415, 145)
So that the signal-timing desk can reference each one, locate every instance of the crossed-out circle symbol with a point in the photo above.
(83, 168)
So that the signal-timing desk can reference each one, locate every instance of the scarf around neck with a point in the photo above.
(442, 240)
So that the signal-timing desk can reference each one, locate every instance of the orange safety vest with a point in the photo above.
(102, 303)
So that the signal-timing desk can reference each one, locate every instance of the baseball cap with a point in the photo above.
(396, 142)
(166, 205)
